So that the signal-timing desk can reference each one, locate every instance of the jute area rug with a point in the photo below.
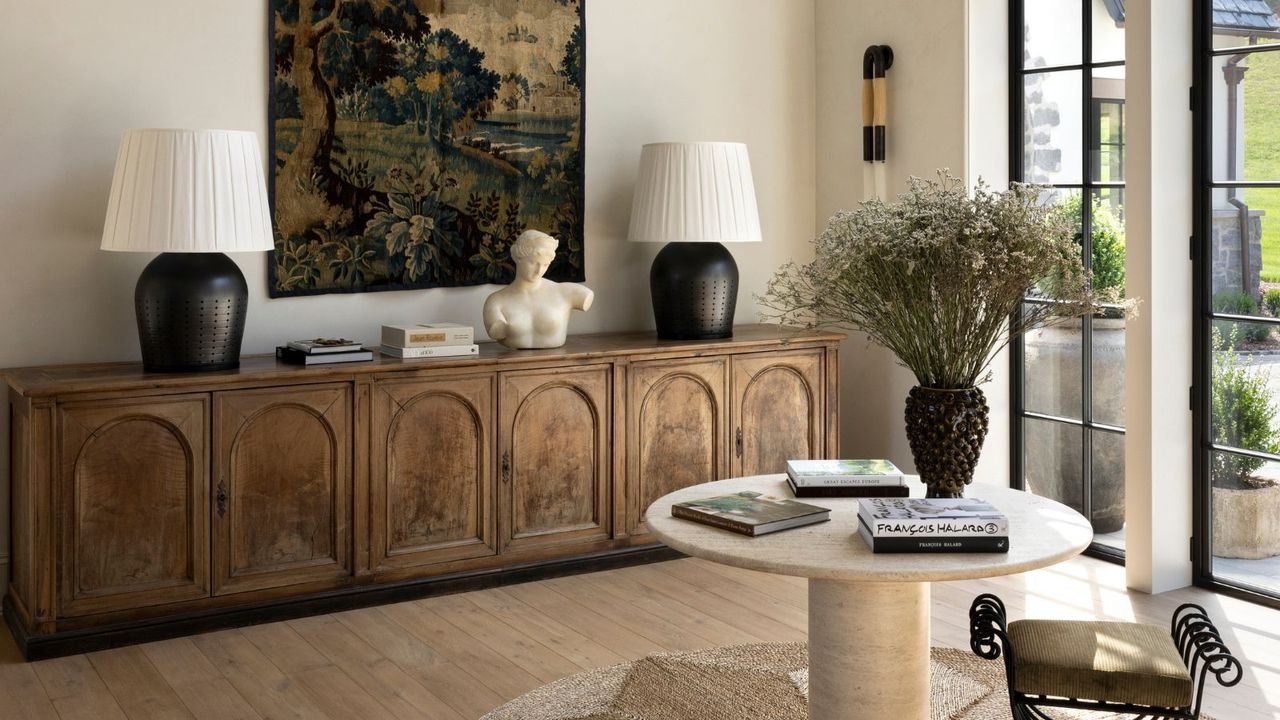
(766, 681)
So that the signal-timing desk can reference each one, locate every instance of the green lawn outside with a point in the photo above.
(1262, 152)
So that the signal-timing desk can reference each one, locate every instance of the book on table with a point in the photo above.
(858, 491)
(818, 473)
(750, 513)
(932, 525)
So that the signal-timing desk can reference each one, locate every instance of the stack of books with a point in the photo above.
(845, 478)
(323, 351)
(750, 513)
(965, 525)
(429, 340)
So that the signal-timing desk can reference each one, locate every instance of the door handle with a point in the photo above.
(222, 498)
(506, 467)
(737, 444)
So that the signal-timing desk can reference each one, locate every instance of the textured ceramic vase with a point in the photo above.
(945, 429)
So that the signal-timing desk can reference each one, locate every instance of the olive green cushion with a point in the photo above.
(1112, 661)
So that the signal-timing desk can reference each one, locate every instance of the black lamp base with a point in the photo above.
(695, 290)
(191, 309)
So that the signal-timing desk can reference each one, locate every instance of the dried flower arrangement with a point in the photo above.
(936, 277)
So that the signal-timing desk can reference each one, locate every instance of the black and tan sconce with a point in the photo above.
(876, 62)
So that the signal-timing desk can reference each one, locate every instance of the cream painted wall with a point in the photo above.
(945, 68)
(74, 73)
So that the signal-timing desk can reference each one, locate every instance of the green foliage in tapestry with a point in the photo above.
(414, 140)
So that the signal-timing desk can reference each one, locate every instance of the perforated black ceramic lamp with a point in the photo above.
(694, 196)
(190, 195)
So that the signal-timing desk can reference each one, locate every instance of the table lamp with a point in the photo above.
(694, 196)
(190, 195)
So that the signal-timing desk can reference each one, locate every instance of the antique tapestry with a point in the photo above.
(414, 140)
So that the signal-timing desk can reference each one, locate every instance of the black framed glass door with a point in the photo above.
(1236, 251)
(1067, 128)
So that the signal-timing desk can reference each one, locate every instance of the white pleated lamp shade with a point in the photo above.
(695, 192)
(188, 191)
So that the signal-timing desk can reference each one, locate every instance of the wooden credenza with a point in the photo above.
(148, 505)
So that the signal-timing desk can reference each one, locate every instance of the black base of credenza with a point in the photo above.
(39, 647)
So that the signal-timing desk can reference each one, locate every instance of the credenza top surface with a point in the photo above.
(53, 380)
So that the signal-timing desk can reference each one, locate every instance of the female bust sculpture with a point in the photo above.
(533, 312)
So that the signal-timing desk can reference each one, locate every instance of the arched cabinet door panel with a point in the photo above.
(432, 471)
(133, 492)
(282, 496)
(677, 429)
(778, 410)
(554, 464)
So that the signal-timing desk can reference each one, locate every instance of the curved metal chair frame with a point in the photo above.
(1194, 634)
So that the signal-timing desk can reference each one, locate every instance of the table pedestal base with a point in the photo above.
(868, 650)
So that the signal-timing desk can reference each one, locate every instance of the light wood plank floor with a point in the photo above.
(455, 657)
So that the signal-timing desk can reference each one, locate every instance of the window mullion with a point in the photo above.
(1086, 252)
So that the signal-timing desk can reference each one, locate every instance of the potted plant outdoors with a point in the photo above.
(935, 277)
(1054, 361)
(1246, 507)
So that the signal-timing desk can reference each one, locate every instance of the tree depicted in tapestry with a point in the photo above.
(414, 140)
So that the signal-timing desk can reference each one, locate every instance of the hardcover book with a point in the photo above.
(298, 357)
(431, 352)
(862, 491)
(932, 518)
(325, 346)
(933, 544)
(750, 513)
(844, 472)
(427, 335)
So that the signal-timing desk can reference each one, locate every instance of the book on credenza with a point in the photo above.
(427, 335)
(932, 525)
(326, 346)
(439, 351)
(750, 513)
(294, 356)
(815, 473)
(858, 491)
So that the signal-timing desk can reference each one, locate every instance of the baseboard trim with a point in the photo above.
(39, 647)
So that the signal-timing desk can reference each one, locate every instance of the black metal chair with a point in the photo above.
(1104, 666)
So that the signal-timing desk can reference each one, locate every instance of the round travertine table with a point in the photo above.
(869, 613)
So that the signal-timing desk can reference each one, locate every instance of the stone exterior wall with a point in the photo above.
(1226, 251)
(1040, 117)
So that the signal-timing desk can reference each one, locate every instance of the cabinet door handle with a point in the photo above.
(737, 443)
(222, 498)
(506, 467)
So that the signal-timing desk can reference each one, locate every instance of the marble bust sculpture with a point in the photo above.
(533, 312)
